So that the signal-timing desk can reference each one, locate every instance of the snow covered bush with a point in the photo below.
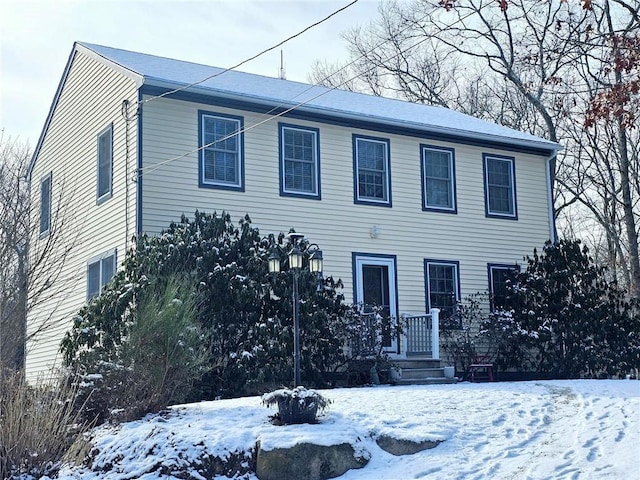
(299, 405)
(564, 318)
(245, 310)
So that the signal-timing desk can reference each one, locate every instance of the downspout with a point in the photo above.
(550, 166)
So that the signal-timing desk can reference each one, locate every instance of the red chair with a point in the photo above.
(483, 366)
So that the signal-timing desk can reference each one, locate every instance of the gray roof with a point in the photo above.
(151, 70)
(167, 72)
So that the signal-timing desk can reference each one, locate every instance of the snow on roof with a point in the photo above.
(160, 71)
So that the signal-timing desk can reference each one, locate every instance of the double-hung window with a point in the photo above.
(500, 186)
(100, 270)
(438, 179)
(442, 283)
(105, 164)
(499, 275)
(372, 174)
(221, 155)
(299, 161)
(45, 205)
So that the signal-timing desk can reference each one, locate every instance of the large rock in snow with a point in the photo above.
(307, 461)
(396, 446)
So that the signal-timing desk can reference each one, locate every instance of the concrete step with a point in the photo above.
(427, 381)
(418, 373)
(417, 363)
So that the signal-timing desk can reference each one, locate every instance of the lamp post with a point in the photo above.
(295, 257)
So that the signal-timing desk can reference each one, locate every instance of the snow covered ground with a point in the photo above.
(577, 429)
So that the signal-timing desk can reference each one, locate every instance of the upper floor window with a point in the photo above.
(442, 284)
(45, 205)
(299, 161)
(500, 187)
(372, 175)
(100, 270)
(105, 164)
(438, 179)
(221, 156)
(499, 275)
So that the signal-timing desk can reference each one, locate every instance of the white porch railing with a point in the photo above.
(422, 334)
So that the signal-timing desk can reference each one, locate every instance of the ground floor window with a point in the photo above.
(100, 270)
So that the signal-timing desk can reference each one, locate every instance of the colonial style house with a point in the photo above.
(412, 205)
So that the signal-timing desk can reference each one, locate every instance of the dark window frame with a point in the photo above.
(490, 278)
(427, 282)
(424, 148)
(366, 200)
(314, 194)
(239, 185)
(487, 188)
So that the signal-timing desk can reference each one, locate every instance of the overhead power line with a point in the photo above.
(154, 167)
(254, 57)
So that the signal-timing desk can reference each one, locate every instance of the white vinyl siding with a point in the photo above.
(105, 164)
(299, 161)
(500, 186)
(372, 182)
(336, 223)
(438, 179)
(221, 151)
(45, 205)
(91, 99)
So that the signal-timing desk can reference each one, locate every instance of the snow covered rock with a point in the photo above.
(308, 461)
(398, 447)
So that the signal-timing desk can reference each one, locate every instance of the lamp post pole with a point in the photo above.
(296, 330)
(295, 258)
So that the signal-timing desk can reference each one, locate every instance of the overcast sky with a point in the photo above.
(36, 37)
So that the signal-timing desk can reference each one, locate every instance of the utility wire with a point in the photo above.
(154, 167)
(252, 58)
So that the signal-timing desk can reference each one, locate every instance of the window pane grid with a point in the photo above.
(499, 184)
(221, 150)
(371, 161)
(442, 288)
(299, 160)
(438, 179)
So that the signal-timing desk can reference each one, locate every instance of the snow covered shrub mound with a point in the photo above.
(299, 405)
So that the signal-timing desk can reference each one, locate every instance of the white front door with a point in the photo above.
(375, 286)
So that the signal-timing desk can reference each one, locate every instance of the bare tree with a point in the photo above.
(31, 269)
(534, 66)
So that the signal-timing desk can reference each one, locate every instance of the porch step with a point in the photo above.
(421, 371)
(418, 373)
(427, 381)
(417, 363)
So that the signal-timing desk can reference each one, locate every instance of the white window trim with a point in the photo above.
(316, 164)
(512, 176)
(239, 153)
(387, 171)
(452, 183)
(108, 194)
(98, 259)
(47, 231)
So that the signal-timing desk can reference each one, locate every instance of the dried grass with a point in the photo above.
(38, 424)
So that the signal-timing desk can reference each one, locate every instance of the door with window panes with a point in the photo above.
(375, 288)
